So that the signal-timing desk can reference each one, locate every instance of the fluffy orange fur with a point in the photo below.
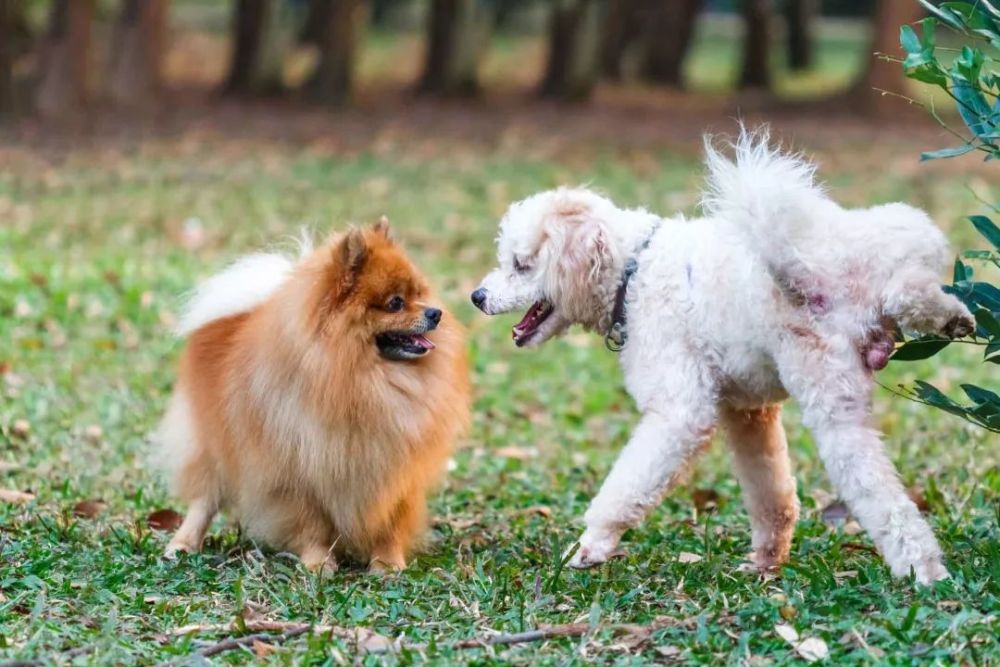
(288, 418)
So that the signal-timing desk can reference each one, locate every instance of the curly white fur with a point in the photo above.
(772, 293)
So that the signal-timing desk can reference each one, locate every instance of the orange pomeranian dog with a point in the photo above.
(318, 402)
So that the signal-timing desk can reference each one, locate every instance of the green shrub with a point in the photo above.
(972, 81)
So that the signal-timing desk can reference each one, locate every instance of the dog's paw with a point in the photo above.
(959, 326)
(929, 571)
(596, 547)
(178, 546)
(380, 566)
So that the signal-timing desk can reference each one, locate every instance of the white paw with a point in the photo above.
(596, 547)
(930, 570)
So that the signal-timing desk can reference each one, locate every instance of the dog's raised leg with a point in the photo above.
(760, 458)
(659, 450)
(191, 534)
(834, 391)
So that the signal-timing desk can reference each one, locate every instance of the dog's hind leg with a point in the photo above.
(834, 391)
(760, 457)
(672, 430)
(915, 301)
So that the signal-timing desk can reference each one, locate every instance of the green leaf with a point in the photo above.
(962, 272)
(909, 41)
(919, 348)
(945, 15)
(947, 152)
(988, 322)
(980, 395)
(989, 230)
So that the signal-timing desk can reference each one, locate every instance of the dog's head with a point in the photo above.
(371, 289)
(556, 260)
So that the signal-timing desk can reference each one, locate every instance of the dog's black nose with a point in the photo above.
(433, 315)
(479, 298)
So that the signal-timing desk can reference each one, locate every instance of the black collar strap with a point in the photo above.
(615, 339)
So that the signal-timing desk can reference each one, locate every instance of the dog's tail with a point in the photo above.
(760, 188)
(245, 284)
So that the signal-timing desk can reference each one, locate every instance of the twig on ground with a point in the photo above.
(371, 642)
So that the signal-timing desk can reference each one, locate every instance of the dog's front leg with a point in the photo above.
(654, 458)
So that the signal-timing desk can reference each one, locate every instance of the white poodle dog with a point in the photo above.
(777, 291)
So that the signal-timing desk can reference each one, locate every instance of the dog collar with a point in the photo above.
(615, 339)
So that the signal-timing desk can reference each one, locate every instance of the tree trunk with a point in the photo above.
(7, 101)
(669, 29)
(879, 74)
(573, 53)
(622, 27)
(456, 33)
(137, 53)
(62, 91)
(261, 34)
(757, 16)
(331, 83)
(800, 16)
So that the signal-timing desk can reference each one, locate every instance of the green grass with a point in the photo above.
(91, 271)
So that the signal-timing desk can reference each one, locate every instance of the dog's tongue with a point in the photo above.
(529, 321)
(421, 341)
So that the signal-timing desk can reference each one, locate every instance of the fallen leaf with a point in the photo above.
(845, 574)
(93, 433)
(788, 612)
(88, 509)
(20, 427)
(705, 499)
(688, 557)
(520, 453)
(787, 633)
(13, 496)
(809, 649)
(668, 651)
(541, 510)
(372, 642)
(165, 519)
(835, 513)
(916, 494)
(262, 650)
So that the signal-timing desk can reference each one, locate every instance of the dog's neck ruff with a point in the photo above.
(615, 339)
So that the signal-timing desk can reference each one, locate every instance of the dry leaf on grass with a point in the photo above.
(540, 510)
(520, 453)
(21, 428)
(917, 495)
(14, 496)
(688, 557)
(262, 649)
(88, 509)
(705, 499)
(809, 649)
(165, 519)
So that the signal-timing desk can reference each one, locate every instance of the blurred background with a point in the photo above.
(64, 59)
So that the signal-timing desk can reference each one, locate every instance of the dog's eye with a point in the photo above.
(395, 304)
(521, 266)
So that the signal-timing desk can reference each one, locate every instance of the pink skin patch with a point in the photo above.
(877, 349)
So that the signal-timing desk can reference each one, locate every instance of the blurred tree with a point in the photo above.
(336, 37)
(881, 74)
(137, 52)
(262, 31)
(669, 29)
(758, 18)
(62, 88)
(457, 31)
(800, 16)
(622, 28)
(573, 50)
(7, 21)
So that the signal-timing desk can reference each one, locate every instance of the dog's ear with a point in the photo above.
(586, 250)
(382, 228)
(348, 258)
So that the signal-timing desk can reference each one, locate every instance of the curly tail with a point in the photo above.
(760, 187)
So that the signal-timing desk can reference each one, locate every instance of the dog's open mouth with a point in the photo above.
(524, 330)
(403, 345)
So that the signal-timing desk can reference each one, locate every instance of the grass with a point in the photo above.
(91, 269)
